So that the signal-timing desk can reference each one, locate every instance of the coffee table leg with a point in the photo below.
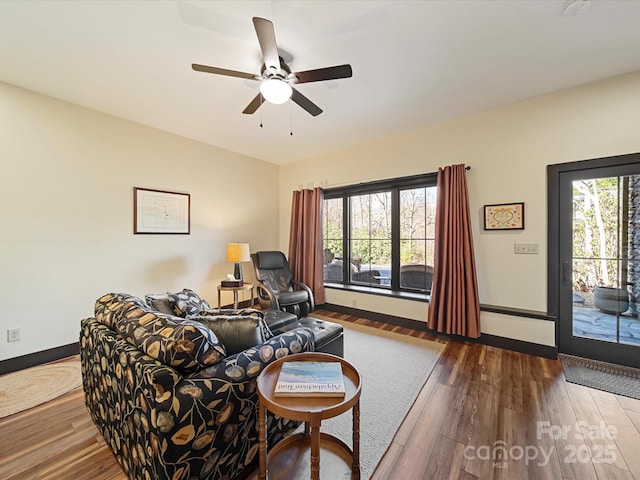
(355, 466)
(262, 441)
(315, 452)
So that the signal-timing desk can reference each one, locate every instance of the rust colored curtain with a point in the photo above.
(454, 307)
(305, 241)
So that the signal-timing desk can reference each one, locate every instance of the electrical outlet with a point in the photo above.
(526, 248)
(13, 335)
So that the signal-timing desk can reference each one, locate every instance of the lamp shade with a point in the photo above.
(275, 91)
(238, 252)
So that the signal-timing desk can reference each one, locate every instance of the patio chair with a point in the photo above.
(416, 276)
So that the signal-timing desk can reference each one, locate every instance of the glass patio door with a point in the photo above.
(599, 233)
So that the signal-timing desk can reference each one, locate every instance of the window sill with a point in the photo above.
(383, 292)
(424, 297)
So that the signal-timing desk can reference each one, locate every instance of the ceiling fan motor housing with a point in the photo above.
(283, 74)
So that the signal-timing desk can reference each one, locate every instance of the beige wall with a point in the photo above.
(66, 199)
(508, 149)
(68, 175)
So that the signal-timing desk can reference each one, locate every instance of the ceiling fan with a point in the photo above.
(276, 76)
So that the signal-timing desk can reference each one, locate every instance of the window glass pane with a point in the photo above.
(370, 238)
(431, 195)
(606, 268)
(332, 233)
(417, 231)
(413, 252)
(595, 223)
(372, 247)
(412, 213)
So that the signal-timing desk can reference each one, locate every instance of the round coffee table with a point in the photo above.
(297, 455)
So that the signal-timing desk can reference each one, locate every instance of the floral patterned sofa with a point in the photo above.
(168, 398)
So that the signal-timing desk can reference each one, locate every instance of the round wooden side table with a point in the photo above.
(304, 455)
(235, 290)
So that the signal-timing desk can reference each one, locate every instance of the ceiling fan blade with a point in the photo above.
(305, 103)
(224, 71)
(328, 73)
(254, 105)
(267, 39)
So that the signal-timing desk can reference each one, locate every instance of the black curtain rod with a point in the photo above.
(380, 184)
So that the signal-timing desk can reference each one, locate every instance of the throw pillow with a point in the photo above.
(183, 344)
(187, 302)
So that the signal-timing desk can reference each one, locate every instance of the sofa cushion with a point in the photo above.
(187, 302)
(323, 331)
(184, 344)
(276, 319)
(236, 332)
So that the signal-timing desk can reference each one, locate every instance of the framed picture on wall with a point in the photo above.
(504, 216)
(159, 211)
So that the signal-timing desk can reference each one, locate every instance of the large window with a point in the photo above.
(381, 234)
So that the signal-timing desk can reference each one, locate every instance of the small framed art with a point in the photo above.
(505, 216)
(159, 211)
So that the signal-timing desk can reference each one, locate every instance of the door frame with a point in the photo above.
(554, 263)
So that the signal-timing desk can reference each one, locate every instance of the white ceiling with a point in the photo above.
(415, 63)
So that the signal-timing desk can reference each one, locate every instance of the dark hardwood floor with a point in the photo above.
(484, 413)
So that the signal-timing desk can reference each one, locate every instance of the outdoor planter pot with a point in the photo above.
(611, 300)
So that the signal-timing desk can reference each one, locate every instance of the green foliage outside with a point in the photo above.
(371, 227)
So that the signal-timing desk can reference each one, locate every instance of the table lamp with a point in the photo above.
(238, 252)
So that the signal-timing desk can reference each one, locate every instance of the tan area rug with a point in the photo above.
(34, 386)
(394, 368)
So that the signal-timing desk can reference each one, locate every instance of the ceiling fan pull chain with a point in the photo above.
(291, 119)
(261, 100)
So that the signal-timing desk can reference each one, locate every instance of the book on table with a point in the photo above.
(308, 379)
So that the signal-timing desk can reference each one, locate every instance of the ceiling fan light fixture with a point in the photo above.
(276, 91)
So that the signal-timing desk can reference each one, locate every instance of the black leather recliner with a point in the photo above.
(275, 285)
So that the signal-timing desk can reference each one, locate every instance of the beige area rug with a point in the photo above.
(394, 368)
(34, 386)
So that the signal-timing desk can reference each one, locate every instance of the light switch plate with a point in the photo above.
(13, 335)
(526, 248)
